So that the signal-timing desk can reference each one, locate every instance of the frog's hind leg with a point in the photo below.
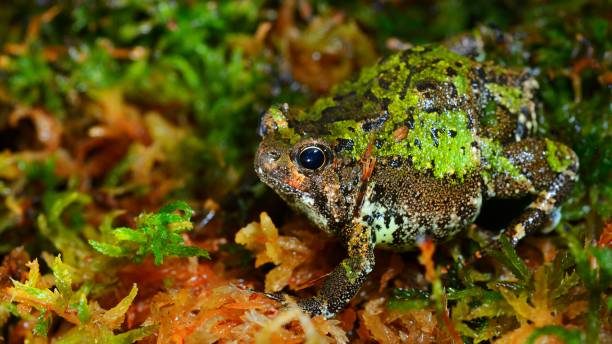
(544, 168)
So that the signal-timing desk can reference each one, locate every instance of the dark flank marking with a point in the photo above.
(432, 109)
(344, 145)
(378, 143)
(375, 123)
(452, 133)
(384, 83)
(368, 219)
(340, 97)
(475, 85)
(470, 123)
(453, 91)
(328, 111)
(387, 219)
(410, 120)
(480, 73)
(450, 71)
(417, 143)
(502, 79)
(474, 144)
(399, 220)
(385, 104)
(458, 64)
(395, 163)
(409, 160)
(425, 85)
(340, 112)
(370, 96)
(525, 111)
(406, 85)
(397, 237)
(520, 129)
(351, 129)
(434, 136)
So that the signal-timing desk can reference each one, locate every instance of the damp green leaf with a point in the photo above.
(63, 277)
(114, 316)
(408, 299)
(157, 234)
(41, 327)
(567, 335)
(508, 257)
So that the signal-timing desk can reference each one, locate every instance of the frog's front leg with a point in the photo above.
(546, 169)
(344, 281)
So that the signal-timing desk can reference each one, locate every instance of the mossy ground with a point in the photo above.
(111, 110)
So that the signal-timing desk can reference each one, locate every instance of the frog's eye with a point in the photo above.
(311, 157)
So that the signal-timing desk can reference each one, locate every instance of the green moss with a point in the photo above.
(157, 234)
(282, 126)
(351, 130)
(439, 142)
(558, 156)
(489, 115)
(404, 300)
(510, 97)
(315, 112)
(461, 84)
(350, 272)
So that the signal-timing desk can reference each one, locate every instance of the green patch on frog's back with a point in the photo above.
(558, 156)
(510, 97)
(394, 76)
(439, 135)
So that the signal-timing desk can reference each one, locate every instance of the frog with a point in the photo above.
(409, 150)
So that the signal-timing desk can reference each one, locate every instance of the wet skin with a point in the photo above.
(410, 149)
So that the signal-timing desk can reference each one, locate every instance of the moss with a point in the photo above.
(198, 66)
(461, 84)
(282, 126)
(510, 97)
(350, 272)
(558, 156)
(316, 111)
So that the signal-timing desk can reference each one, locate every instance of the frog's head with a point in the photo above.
(300, 166)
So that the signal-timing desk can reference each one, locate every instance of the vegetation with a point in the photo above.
(111, 110)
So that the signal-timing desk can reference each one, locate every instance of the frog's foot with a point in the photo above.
(548, 170)
(278, 296)
(337, 290)
(312, 305)
(339, 287)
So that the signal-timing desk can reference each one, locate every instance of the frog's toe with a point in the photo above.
(553, 220)
(313, 306)
(277, 296)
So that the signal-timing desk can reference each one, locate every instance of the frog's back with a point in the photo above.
(427, 105)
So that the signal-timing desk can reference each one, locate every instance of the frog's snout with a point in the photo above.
(266, 159)
(269, 156)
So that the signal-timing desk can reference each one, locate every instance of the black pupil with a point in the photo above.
(312, 158)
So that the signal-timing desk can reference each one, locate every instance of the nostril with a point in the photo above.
(273, 155)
